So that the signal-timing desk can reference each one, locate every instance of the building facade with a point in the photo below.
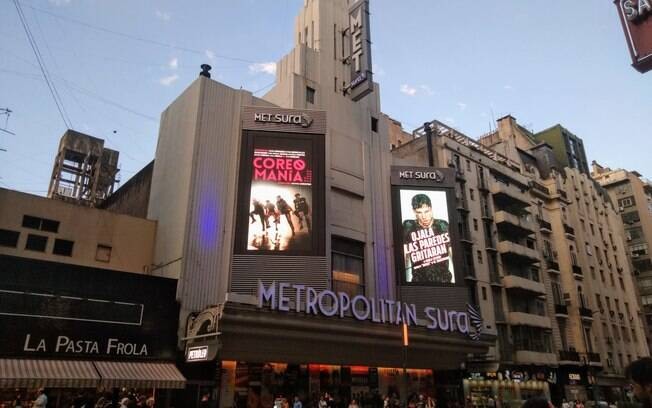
(631, 195)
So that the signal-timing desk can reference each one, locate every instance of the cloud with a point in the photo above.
(210, 55)
(461, 105)
(174, 63)
(408, 90)
(168, 80)
(162, 15)
(266, 67)
(427, 90)
(59, 2)
(508, 87)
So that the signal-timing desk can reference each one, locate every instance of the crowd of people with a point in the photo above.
(124, 399)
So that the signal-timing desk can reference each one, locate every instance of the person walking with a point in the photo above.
(41, 400)
(639, 373)
(297, 402)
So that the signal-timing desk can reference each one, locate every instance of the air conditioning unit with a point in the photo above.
(621, 209)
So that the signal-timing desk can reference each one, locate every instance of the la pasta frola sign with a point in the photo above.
(384, 311)
(69, 345)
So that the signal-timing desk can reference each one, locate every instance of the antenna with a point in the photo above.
(7, 112)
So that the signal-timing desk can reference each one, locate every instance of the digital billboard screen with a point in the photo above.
(425, 239)
(283, 207)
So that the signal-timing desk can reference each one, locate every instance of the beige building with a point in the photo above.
(631, 194)
(545, 252)
(53, 230)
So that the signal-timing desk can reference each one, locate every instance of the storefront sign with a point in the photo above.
(197, 354)
(71, 345)
(574, 377)
(434, 175)
(329, 303)
(636, 19)
(361, 78)
(302, 119)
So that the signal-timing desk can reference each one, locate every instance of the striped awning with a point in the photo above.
(47, 373)
(130, 374)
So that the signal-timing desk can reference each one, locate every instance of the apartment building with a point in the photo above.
(544, 250)
(631, 194)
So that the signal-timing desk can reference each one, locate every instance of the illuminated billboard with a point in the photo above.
(425, 239)
(281, 197)
(424, 220)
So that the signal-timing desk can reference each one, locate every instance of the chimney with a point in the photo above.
(205, 70)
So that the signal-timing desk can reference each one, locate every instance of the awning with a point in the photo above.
(128, 374)
(47, 373)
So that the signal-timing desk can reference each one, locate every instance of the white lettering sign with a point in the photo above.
(67, 345)
(386, 311)
(197, 353)
(637, 9)
(301, 119)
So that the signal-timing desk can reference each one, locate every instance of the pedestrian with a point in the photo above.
(386, 402)
(579, 404)
(421, 401)
(639, 374)
(564, 403)
(297, 402)
(205, 401)
(354, 404)
(17, 402)
(41, 400)
(104, 401)
(430, 403)
(322, 402)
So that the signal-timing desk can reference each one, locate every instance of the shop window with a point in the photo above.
(103, 253)
(310, 95)
(42, 224)
(347, 266)
(62, 247)
(9, 238)
(36, 243)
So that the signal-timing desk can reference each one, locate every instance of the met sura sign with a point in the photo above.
(328, 303)
(636, 19)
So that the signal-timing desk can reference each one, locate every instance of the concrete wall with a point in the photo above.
(132, 198)
(131, 239)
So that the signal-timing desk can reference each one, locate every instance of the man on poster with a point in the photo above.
(426, 245)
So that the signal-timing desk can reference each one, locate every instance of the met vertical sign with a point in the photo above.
(636, 19)
(361, 78)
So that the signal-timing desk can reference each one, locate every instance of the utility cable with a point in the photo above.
(41, 63)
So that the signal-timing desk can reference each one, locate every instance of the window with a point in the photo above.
(103, 253)
(484, 293)
(310, 95)
(588, 248)
(9, 238)
(471, 194)
(468, 165)
(592, 228)
(479, 256)
(62, 247)
(638, 250)
(475, 224)
(634, 233)
(348, 266)
(631, 217)
(374, 124)
(42, 224)
(36, 243)
(592, 269)
(611, 277)
(622, 283)
(602, 275)
(626, 202)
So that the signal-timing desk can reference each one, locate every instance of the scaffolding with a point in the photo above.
(84, 171)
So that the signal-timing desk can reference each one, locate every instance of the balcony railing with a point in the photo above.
(569, 355)
(561, 310)
(545, 225)
(585, 312)
(569, 230)
(577, 270)
(593, 357)
(553, 265)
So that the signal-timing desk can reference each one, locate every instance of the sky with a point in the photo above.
(116, 65)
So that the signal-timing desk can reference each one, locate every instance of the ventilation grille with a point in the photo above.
(304, 270)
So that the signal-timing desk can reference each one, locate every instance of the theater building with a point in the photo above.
(279, 217)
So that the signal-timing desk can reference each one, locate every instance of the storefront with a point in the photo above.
(266, 354)
(507, 387)
(80, 332)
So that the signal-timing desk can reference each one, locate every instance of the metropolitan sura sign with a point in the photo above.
(311, 301)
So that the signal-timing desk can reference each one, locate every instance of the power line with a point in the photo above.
(137, 38)
(41, 63)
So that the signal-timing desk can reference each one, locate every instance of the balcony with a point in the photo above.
(513, 224)
(528, 319)
(586, 313)
(569, 357)
(516, 252)
(508, 195)
(577, 270)
(594, 359)
(561, 310)
(569, 231)
(539, 189)
(552, 266)
(518, 283)
(535, 357)
(544, 226)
